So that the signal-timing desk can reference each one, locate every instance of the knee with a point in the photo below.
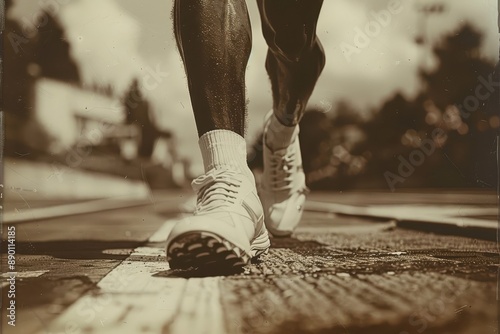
(287, 46)
(311, 56)
(294, 47)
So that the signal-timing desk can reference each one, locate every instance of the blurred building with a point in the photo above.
(51, 118)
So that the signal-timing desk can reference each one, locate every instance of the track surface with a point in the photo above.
(105, 272)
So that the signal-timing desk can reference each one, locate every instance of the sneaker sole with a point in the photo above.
(209, 250)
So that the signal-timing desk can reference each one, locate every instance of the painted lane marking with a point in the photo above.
(138, 297)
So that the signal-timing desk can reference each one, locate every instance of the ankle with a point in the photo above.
(279, 136)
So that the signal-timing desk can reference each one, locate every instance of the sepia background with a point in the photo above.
(96, 101)
(400, 148)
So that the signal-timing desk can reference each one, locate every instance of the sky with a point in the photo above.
(121, 39)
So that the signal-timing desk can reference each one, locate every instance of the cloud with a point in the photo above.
(368, 56)
(104, 42)
(103, 37)
(391, 60)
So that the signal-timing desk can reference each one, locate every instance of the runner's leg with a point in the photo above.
(227, 228)
(295, 57)
(294, 62)
(214, 39)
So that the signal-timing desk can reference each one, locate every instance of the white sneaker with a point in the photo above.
(283, 188)
(227, 228)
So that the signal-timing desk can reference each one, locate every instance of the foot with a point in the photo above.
(227, 228)
(283, 187)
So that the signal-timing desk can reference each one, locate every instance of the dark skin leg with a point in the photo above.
(295, 57)
(214, 38)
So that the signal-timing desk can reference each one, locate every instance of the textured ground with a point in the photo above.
(105, 272)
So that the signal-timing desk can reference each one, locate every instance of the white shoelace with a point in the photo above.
(282, 170)
(216, 189)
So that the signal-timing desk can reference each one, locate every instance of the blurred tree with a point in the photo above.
(460, 67)
(460, 87)
(138, 113)
(30, 53)
(389, 135)
(341, 150)
(394, 118)
(18, 53)
(52, 51)
(345, 114)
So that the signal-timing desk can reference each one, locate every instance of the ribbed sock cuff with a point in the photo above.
(224, 149)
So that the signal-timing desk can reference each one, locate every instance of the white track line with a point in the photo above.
(72, 209)
(20, 274)
(199, 307)
(137, 297)
(26, 274)
(445, 215)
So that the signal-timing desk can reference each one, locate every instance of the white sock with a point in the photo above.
(224, 149)
(279, 136)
